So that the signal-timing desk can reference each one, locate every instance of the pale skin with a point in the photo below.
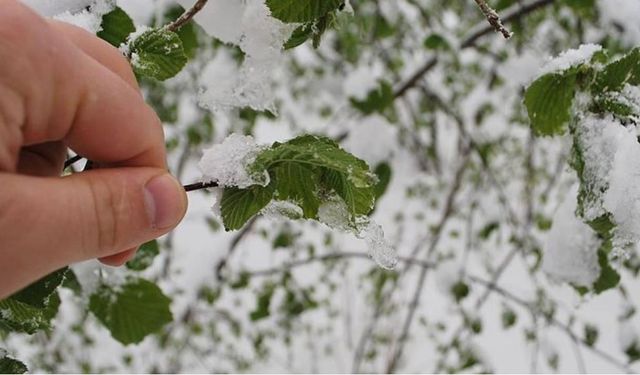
(61, 87)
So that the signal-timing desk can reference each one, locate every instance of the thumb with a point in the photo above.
(47, 223)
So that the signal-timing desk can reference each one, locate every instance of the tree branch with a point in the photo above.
(494, 19)
(186, 16)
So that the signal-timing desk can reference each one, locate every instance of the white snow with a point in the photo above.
(570, 58)
(570, 253)
(611, 151)
(628, 335)
(86, 14)
(621, 13)
(249, 25)
(227, 163)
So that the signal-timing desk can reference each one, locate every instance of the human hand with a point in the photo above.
(63, 87)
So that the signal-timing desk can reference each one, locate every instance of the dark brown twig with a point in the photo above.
(186, 16)
(200, 186)
(493, 18)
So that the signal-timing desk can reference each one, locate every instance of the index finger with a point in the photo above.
(68, 95)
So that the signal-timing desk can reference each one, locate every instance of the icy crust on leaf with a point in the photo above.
(282, 209)
(611, 152)
(334, 213)
(227, 163)
(570, 58)
(571, 251)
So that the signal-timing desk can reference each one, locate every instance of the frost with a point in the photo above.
(379, 248)
(571, 251)
(570, 58)
(280, 209)
(247, 24)
(227, 163)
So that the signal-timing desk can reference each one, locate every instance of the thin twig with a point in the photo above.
(186, 16)
(493, 18)
(200, 186)
(69, 162)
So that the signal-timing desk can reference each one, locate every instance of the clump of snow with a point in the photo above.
(249, 25)
(282, 209)
(598, 142)
(216, 195)
(611, 172)
(380, 249)
(84, 14)
(571, 251)
(570, 58)
(227, 163)
(50, 8)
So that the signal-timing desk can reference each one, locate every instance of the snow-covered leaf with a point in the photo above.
(9, 365)
(615, 75)
(157, 53)
(38, 293)
(132, 311)
(22, 317)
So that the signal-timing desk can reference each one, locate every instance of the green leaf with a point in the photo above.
(590, 334)
(72, 283)
(116, 27)
(301, 10)
(460, 290)
(377, 100)
(298, 183)
(436, 42)
(187, 32)
(262, 304)
(132, 311)
(38, 293)
(9, 365)
(158, 54)
(548, 100)
(22, 317)
(619, 73)
(239, 205)
(509, 318)
(360, 201)
(300, 35)
(608, 278)
(384, 173)
(144, 257)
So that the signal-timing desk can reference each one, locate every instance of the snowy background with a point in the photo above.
(475, 200)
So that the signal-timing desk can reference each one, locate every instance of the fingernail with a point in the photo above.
(165, 201)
